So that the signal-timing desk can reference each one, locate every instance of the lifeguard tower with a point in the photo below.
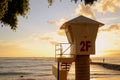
(81, 34)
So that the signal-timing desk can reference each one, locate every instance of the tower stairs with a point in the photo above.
(63, 61)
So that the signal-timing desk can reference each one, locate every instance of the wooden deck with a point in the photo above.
(65, 59)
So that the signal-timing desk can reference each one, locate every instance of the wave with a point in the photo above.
(107, 65)
(45, 75)
(14, 73)
(24, 66)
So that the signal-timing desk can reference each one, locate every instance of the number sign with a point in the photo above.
(85, 45)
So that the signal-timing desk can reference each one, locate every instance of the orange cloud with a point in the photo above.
(107, 5)
(61, 32)
(54, 37)
(102, 6)
(46, 38)
(114, 27)
(85, 10)
(54, 42)
(59, 22)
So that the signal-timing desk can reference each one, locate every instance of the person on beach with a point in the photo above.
(103, 60)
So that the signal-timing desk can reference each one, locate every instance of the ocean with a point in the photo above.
(41, 69)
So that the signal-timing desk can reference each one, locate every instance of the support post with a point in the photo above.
(82, 67)
(58, 71)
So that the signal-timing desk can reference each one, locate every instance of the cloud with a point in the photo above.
(107, 5)
(49, 38)
(59, 22)
(85, 10)
(114, 27)
(54, 42)
(46, 38)
(61, 32)
(55, 37)
(102, 6)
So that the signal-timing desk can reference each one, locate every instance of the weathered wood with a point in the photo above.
(82, 67)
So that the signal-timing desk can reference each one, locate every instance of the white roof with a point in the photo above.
(81, 20)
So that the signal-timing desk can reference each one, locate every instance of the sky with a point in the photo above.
(37, 34)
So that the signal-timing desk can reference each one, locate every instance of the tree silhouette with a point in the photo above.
(11, 9)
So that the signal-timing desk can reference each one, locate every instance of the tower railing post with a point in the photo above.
(58, 74)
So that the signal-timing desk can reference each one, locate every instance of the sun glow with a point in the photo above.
(104, 42)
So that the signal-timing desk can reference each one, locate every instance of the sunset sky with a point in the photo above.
(36, 35)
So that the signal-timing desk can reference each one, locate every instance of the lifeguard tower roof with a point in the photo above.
(81, 20)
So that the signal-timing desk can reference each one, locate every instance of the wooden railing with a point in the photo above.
(62, 50)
